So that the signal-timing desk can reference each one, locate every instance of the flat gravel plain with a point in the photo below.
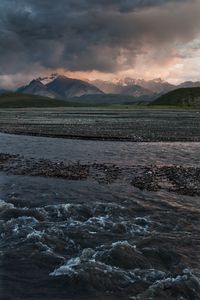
(107, 124)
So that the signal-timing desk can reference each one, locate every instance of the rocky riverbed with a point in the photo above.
(175, 178)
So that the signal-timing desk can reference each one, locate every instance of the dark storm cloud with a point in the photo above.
(89, 34)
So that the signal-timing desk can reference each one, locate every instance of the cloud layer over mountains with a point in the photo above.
(87, 35)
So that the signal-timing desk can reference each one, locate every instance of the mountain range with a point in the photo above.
(134, 87)
(140, 87)
(62, 87)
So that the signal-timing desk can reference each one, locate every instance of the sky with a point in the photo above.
(99, 39)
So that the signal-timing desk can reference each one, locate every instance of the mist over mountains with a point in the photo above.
(140, 88)
(134, 87)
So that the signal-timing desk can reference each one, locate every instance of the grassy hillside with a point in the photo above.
(180, 97)
(175, 99)
(104, 99)
(16, 100)
(110, 99)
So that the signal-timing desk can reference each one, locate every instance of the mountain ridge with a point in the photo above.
(60, 87)
(36, 87)
(69, 87)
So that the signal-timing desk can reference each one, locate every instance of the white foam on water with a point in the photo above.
(76, 265)
(20, 226)
(35, 234)
(102, 220)
(67, 268)
(66, 207)
(4, 205)
(167, 282)
(122, 243)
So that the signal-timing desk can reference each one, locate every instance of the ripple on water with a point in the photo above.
(125, 153)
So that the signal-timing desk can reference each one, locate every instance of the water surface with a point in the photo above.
(125, 153)
(63, 239)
